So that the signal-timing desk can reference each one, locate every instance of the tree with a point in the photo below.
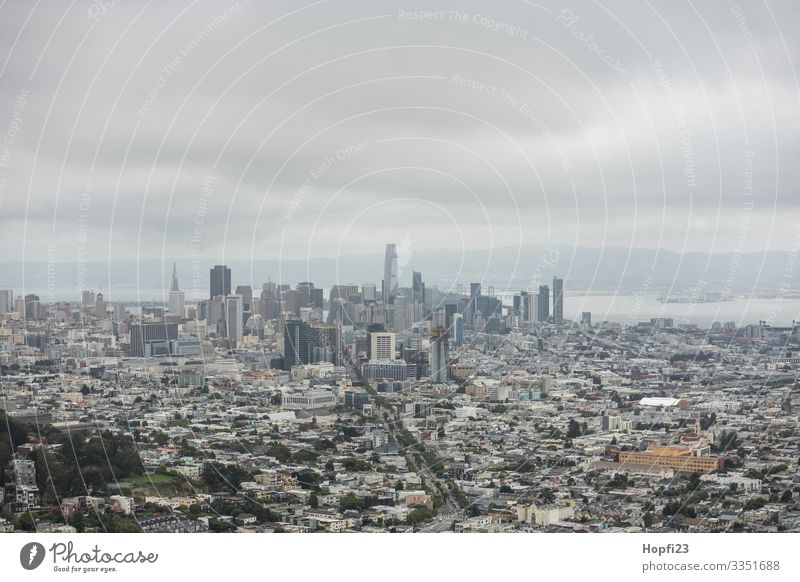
(351, 501)
(648, 519)
(308, 479)
(217, 476)
(25, 522)
(419, 515)
(313, 501)
(281, 452)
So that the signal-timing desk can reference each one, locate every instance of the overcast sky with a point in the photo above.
(173, 129)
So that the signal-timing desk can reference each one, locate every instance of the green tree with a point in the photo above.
(648, 519)
(351, 501)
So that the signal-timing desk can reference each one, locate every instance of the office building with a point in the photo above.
(246, 293)
(215, 314)
(152, 339)
(234, 316)
(383, 346)
(326, 343)
(100, 307)
(472, 306)
(543, 303)
(6, 300)
(176, 296)
(417, 288)
(389, 288)
(220, 281)
(296, 343)
(558, 300)
(522, 306)
(33, 307)
(458, 329)
(369, 292)
(269, 306)
(386, 370)
(439, 356)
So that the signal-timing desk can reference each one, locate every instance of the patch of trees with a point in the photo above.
(219, 477)
(82, 464)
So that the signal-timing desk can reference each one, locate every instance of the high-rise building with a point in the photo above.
(215, 314)
(458, 329)
(220, 281)
(246, 292)
(383, 346)
(293, 300)
(296, 343)
(586, 318)
(390, 274)
(417, 288)
(33, 307)
(543, 303)
(152, 339)
(87, 301)
(522, 306)
(269, 301)
(368, 292)
(234, 316)
(439, 355)
(176, 296)
(558, 300)
(472, 307)
(326, 343)
(6, 300)
(100, 307)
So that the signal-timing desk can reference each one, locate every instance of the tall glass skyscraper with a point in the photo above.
(558, 300)
(543, 303)
(390, 274)
(220, 281)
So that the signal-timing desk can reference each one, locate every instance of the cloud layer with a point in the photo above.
(329, 128)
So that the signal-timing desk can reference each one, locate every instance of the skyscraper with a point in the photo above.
(472, 306)
(458, 329)
(439, 355)
(296, 343)
(543, 303)
(558, 300)
(269, 301)
(246, 291)
(6, 300)
(418, 288)
(220, 281)
(176, 296)
(390, 274)
(100, 307)
(234, 315)
(326, 343)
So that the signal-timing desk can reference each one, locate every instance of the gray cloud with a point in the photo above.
(500, 124)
